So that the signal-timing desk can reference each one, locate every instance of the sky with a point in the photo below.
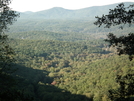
(38, 5)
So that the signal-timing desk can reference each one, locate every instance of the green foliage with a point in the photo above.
(56, 61)
(7, 17)
(117, 16)
(8, 89)
(51, 49)
(124, 44)
(69, 66)
(6, 55)
(125, 91)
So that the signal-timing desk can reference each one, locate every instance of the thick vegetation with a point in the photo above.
(79, 68)
(63, 60)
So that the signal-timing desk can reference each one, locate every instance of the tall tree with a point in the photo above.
(7, 83)
(124, 44)
(7, 17)
(119, 16)
(126, 90)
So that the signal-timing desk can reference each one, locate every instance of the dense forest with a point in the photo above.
(81, 68)
(65, 60)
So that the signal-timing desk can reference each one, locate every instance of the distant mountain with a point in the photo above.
(61, 13)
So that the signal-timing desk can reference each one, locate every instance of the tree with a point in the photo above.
(119, 16)
(8, 90)
(126, 90)
(7, 17)
(7, 83)
(124, 44)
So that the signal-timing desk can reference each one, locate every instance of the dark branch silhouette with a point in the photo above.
(118, 16)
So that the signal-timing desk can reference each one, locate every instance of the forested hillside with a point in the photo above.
(81, 68)
(61, 30)
(65, 58)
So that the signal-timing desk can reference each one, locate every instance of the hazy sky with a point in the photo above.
(38, 5)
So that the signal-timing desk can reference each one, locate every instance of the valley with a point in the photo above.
(65, 58)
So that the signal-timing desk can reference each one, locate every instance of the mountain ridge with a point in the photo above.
(62, 13)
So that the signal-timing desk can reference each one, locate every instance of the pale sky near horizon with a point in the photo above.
(38, 5)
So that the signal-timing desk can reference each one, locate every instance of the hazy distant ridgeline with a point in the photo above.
(61, 13)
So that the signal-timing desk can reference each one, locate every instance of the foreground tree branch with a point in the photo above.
(117, 16)
(120, 15)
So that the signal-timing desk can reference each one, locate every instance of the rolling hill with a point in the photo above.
(61, 13)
